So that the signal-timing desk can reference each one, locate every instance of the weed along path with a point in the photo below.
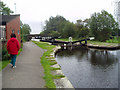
(29, 71)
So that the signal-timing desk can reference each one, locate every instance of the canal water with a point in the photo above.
(90, 68)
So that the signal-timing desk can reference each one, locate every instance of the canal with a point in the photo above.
(90, 68)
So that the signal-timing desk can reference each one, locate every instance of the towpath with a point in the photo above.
(29, 71)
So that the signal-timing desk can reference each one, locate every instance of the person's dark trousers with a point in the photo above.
(13, 59)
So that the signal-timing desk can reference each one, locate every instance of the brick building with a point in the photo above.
(10, 24)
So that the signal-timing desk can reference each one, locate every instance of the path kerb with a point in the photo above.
(62, 82)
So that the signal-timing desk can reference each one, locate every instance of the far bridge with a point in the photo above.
(38, 36)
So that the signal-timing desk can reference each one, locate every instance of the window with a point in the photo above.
(2, 32)
(13, 31)
(18, 32)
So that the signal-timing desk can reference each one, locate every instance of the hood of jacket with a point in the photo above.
(13, 39)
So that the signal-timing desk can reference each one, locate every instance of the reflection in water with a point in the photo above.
(102, 58)
(96, 57)
(89, 68)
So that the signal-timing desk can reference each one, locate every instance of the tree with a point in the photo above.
(54, 26)
(54, 22)
(82, 29)
(69, 30)
(25, 30)
(59, 26)
(102, 25)
(4, 10)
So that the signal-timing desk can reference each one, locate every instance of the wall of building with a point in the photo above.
(13, 26)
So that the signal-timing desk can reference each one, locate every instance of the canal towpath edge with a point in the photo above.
(62, 82)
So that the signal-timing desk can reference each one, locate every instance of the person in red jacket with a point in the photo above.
(13, 48)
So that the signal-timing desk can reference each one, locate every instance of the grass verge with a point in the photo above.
(3, 64)
(101, 43)
(46, 63)
(66, 39)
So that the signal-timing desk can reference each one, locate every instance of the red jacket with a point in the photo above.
(13, 46)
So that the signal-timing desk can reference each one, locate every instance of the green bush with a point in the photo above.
(5, 55)
(114, 40)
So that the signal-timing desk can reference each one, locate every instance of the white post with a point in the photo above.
(91, 38)
(70, 39)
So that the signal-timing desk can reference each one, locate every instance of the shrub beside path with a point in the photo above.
(29, 71)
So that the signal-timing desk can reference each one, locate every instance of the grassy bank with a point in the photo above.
(66, 39)
(4, 63)
(113, 42)
(101, 43)
(46, 63)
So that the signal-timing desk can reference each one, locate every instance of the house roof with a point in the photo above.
(7, 18)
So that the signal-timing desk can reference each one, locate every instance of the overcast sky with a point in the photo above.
(35, 12)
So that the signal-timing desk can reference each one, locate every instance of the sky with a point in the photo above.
(35, 12)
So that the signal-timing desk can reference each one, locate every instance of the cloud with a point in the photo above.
(40, 10)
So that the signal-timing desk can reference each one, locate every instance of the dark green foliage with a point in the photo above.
(4, 10)
(54, 26)
(82, 30)
(54, 23)
(25, 30)
(68, 30)
(54, 33)
(113, 40)
(5, 55)
(60, 27)
(102, 25)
